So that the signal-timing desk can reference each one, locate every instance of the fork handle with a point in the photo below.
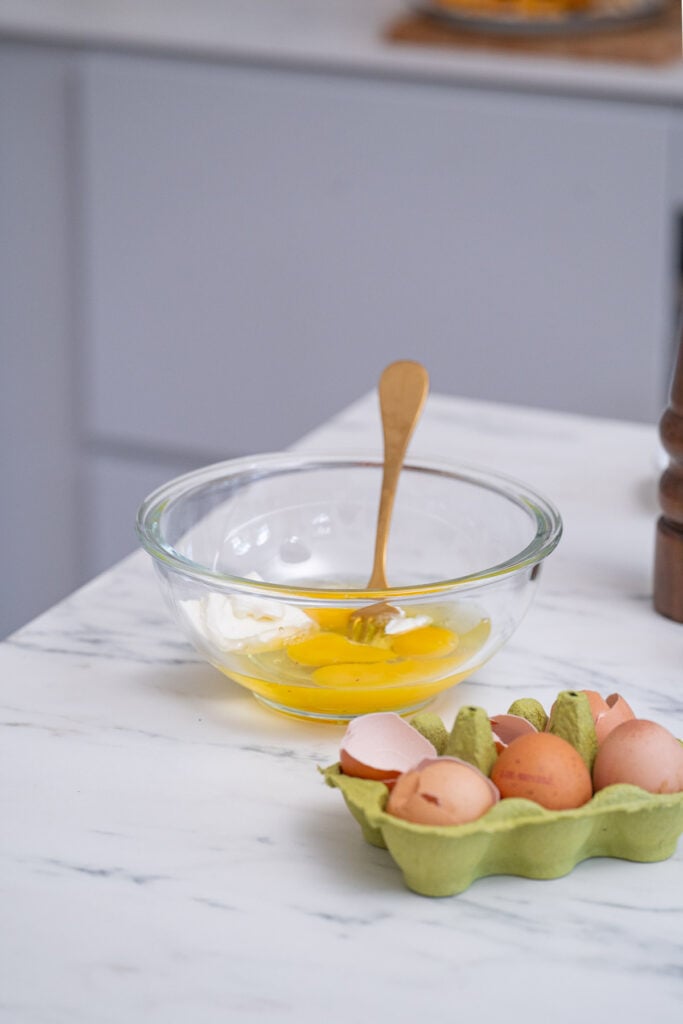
(403, 389)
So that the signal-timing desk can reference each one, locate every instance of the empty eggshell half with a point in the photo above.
(382, 746)
(507, 728)
(442, 791)
(607, 712)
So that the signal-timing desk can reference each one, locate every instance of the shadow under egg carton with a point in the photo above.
(515, 837)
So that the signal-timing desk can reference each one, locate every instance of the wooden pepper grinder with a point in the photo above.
(668, 597)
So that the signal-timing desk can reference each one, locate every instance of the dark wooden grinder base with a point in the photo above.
(668, 594)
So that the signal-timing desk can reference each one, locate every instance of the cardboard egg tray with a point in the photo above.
(516, 836)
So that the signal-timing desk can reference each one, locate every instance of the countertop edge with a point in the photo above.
(372, 58)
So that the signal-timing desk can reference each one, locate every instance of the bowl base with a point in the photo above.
(334, 718)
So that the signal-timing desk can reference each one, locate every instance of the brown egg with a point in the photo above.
(442, 791)
(544, 768)
(608, 712)
(643, 754)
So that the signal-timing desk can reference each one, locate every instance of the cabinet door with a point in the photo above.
(114, 487)
(39, 499)
(260, 242)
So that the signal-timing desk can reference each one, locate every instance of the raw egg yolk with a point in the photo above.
(427, 642)
(333, 649)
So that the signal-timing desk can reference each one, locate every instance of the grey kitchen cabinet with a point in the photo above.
(259, 243)
(40, 501)
(236, 250)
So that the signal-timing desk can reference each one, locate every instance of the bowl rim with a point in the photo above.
(254, 467)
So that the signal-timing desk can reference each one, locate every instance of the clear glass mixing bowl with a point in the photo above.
(263, 560)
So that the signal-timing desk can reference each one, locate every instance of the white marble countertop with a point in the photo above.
(341, 35)
(170, 853)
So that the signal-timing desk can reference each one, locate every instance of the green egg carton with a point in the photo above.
(516, 837)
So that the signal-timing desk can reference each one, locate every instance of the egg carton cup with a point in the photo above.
(515, 837)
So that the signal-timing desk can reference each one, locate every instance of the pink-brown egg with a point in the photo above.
(381, 746)
(544, 768)
(607, 712)
(442, 791)
(643, 754)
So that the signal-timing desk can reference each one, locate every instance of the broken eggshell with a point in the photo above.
(608, 712)
(507, 728)
(442, 791)
(382, 746)
(516, 836)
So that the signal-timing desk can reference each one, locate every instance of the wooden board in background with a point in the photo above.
(655, 41)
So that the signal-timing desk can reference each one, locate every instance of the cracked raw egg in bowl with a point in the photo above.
(264, 560)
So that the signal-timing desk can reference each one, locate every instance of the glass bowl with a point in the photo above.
(263, 559)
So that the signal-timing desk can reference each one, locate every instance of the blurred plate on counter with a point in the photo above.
(499, 16)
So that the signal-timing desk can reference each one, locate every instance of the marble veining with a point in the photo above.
(169, 852)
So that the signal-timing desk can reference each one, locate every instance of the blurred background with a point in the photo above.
(219, 221)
